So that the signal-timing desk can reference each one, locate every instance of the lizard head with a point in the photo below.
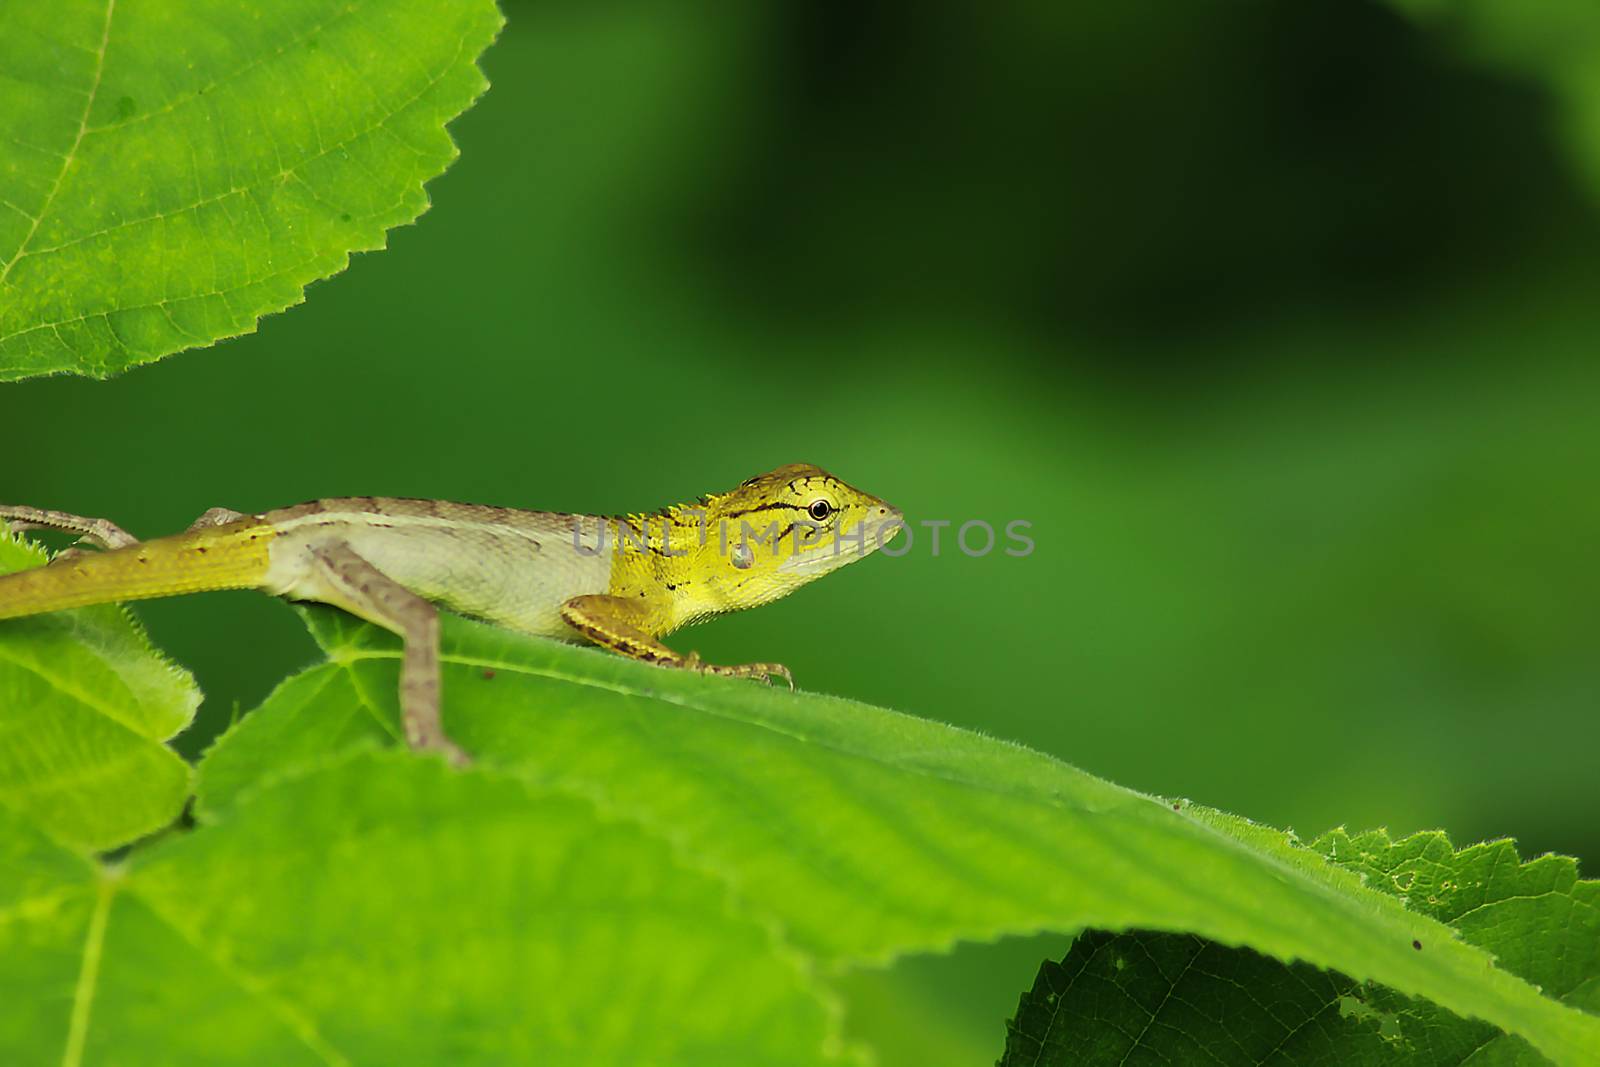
(779, 530)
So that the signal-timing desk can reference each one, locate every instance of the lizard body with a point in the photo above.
(619, 582)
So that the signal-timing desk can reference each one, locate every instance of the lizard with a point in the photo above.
(619, 582)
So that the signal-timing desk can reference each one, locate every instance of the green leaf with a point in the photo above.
(869, 834)
(386, 910)
(172, 172)
(1169, 996)
(85, 703)
(47, 905)
(1538, 919)
(1174, 998)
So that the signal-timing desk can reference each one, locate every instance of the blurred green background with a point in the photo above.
(1277, 320)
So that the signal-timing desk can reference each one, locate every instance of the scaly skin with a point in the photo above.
(393, 562)
(221, 557)
(691, 567)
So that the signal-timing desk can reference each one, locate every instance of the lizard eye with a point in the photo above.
(820, 510)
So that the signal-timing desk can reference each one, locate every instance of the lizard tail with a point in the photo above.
(233, 556)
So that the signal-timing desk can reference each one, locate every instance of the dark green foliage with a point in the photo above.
(1151, 997)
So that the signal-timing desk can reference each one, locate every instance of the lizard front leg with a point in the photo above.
(349, 582)
(614, 622)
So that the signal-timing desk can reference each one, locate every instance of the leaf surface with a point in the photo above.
(868, 834)
(386, 909)
(1142, 997)
(172, 172)
(1176, 998)
(85, 704)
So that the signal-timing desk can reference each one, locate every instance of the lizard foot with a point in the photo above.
(100, 533)
(453, 753)
(762, 672)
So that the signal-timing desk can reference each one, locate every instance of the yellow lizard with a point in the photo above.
(622, 583)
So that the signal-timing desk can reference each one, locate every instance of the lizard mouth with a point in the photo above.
(847, 546)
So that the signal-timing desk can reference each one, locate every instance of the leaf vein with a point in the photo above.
(66, 162)
(287, 1013)
(88, 974)
(281, 176)
(71, 690)
(244, 68)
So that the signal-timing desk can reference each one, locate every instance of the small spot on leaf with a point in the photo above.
(1352, 1007)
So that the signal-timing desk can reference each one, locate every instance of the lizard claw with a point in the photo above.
(781, 671)
(761, 672)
